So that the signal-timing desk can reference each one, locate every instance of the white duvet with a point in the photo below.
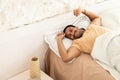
(106, 49)
(106, 52)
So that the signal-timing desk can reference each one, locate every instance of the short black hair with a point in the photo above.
(82, 28)
(67, 27)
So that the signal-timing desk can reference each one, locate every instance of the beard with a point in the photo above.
(82, 30)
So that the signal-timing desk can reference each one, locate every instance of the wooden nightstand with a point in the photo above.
(25, 76)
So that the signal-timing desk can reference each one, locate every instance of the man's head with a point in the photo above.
(73, 32)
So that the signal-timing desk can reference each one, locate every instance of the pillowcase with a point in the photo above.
(50, 38)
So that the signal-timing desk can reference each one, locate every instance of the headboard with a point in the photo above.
(17, 13)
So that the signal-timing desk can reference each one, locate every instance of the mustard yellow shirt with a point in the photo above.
(86, 42)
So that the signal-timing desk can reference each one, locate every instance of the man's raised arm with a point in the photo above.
(95, 19)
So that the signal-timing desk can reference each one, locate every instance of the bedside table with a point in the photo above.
(26, 76)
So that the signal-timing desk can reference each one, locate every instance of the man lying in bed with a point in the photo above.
(83, 40)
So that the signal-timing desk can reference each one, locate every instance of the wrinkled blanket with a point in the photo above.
(106, 52)
(83, 68)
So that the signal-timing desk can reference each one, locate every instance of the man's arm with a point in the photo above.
(69, 54)
(95, 19)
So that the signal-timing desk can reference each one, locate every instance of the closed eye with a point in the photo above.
(70, 30)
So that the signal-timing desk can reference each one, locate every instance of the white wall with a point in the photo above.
(18, 46)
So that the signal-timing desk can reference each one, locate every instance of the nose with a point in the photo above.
(72, 37)
(72, 34)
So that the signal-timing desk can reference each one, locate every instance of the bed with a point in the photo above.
(85, 67)
(22, 31)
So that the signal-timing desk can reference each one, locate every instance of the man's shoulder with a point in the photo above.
(79, 39)
(93, 26)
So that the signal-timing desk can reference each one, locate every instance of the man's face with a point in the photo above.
(73, 33)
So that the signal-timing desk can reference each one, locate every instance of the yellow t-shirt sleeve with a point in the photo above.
(76, 44)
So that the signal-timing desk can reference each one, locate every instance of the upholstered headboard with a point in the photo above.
(17, 13)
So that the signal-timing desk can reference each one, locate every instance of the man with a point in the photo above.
(83, 40)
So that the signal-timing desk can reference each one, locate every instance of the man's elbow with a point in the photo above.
(66, 60)
(96, 18)
(99, 17)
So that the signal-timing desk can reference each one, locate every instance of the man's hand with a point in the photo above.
(77, 12)
(60, 36)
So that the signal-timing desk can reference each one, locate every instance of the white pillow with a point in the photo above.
(50, 38)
